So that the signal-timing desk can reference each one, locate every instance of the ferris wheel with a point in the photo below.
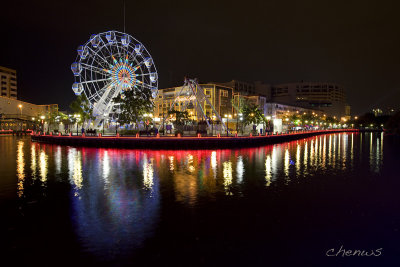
(108, 64)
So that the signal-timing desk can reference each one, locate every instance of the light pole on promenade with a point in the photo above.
(227, 116)
(20, 114)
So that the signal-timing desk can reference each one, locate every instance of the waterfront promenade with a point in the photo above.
(198, 142)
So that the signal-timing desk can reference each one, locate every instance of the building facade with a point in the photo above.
(16, 114)
(249, 88)
(219, 96)
(329, 97)
(8, 83)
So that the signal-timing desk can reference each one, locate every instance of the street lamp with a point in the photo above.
(20, 117)
(237, 122)
(227, 123)
(104, 121)
(77, 118)
(212, 125)
(42, 118)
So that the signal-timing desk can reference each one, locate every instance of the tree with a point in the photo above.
(393, 124)
(133, 105)
(252, 114)
(180, 116)
(81, 106)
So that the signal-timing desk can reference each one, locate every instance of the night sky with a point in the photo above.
(353, 43)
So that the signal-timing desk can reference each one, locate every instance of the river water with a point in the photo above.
(289, 204)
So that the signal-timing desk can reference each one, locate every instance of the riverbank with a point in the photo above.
(179, 142)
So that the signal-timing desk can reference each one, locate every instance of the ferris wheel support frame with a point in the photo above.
(196, 90)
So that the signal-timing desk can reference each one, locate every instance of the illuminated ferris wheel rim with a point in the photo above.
(109, 63)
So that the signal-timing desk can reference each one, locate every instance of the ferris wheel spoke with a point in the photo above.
(99, 56)
(106, 47)
(95, 69)
(143, 74)
(148, 86)
(139, 65)
(136, 58)
(98, 80)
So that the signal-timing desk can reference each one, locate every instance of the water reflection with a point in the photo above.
(211, 171)
(214, 163)
(106, 169)
(115, 195)
(298, 156)
(20, 168)
(286, 165)
(75, 169)
(33, 160)
(239, 169)
(148, 172)
(58, 159)
(227, 171)
(117, 212)
(43, 161)
(268, 170)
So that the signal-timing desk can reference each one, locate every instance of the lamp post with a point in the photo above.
(20, 112)
(227, 123)
(42, 118)
(212, 125)
(77, 118)
(269, 126)
(237, 122)
(163, 122)
(104, 115)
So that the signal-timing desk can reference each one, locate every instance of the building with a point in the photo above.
(8, 82)
(219, 96)
(329, 97)
(16, 114)
(279, 111)
(249, 88)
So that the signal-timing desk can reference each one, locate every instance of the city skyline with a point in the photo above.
(350, 44)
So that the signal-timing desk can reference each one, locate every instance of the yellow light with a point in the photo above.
(20, 106)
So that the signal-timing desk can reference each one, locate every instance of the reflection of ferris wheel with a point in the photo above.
(110, 63)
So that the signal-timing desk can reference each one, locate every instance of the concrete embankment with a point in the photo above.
(179, 142)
